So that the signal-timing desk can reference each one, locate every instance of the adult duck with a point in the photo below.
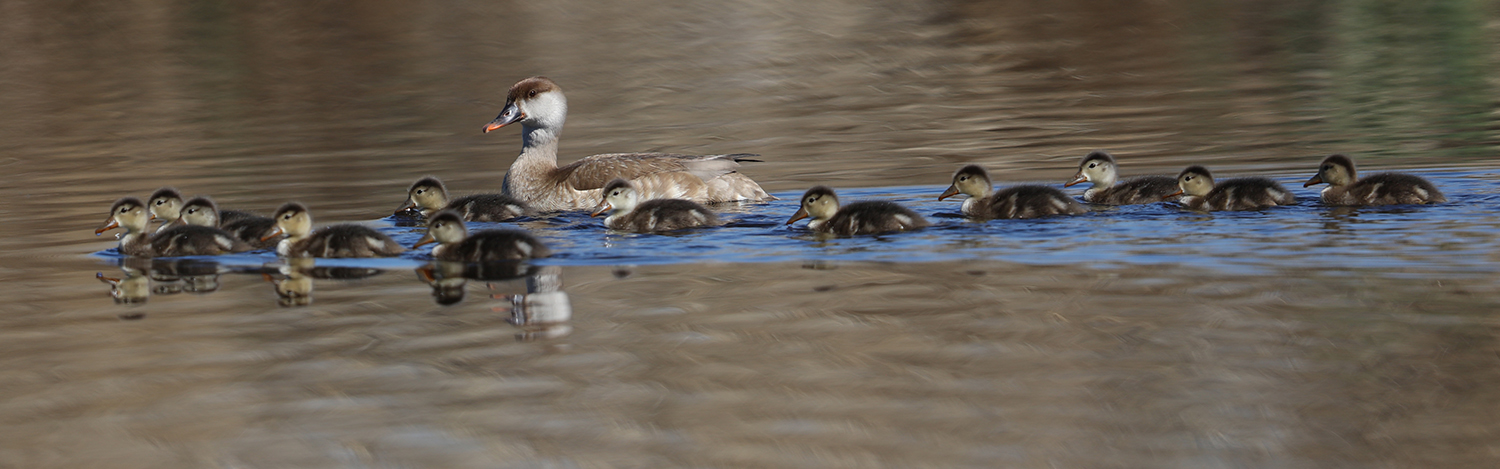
(536, 179)
(1344, 188)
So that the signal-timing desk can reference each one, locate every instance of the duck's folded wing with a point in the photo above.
(595, 171)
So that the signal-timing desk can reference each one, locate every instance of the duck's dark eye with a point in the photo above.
(159, 202)
(123, 210)
(963, 178)
(531, 94)
(1091, 165)
(419, 191)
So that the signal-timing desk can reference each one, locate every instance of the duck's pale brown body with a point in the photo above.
(536, 179)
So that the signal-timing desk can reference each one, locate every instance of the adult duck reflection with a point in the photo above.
(541, 313)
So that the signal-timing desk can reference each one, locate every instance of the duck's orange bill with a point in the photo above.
(801, 213)
(426, 238)
(1174, 194)
(1316, 179)
(509, 115)
(109, 224)
(274, 233)
(1077, 178)
(406, 206)
(604, 207)
(952, 191)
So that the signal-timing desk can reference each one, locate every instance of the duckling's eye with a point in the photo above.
(1091, 165)
(124, 209)
(419, 191)
(159, 202)
(963, 178)
(1187, 178)
(1328, 166)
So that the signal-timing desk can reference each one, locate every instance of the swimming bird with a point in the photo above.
(455, 243)
(1199, 192)
(1023, 201)
(628, 213)
(166, 205)
(864, 217)
(1377, 189)
(343, 240)
(253, 229)
(179, 240)
(429, 195)
(1099, 167)
(534, 178)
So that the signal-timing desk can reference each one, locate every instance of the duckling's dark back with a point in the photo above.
(1385, 189)
(346, 241)
(489, 207)
(664, 215)
(1136, 190)
(872, 216)
(193, 240)
(1250, 193)
(250, 228)
(1026, 201)
(496, 245)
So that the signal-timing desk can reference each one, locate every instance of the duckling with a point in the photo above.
(1025, 201)
(1098, 167)
(865, 217)
(456, 244)
(538, 104)
(181, 240)
(1251, 193)
(628, 213)
(344, 240)
(1378, 189)
(429, 195)
(248, 227)
(166, 205)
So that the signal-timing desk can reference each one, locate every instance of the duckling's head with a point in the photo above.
(1194, 181)
(445, 227)
(971, 180)
(819, 203)
(166, 204)
(619, 197)
(1097, 167)
(534, 102)
(427, 194)
(201, 211)
(1336, 170)
(293, 220)
(129, 213)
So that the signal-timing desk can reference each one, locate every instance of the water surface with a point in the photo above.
(1139, 336)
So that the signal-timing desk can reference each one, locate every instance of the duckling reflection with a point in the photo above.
(171, 276)
(133, 288)
(295, 285)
